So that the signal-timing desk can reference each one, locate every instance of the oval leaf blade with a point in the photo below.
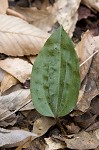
(55, 77)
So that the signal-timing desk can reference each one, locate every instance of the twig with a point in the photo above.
(89, 58)
(15, 110)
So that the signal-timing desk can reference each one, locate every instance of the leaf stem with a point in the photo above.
(58, 122)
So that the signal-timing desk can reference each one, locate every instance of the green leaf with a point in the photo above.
(55, 77)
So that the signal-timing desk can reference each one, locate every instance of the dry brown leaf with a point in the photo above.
(31, 116)
(2, 72)
(18, 38)
(10, 121)
(93, 126)
(63, 12)
(97, 148)
(13, 89)
(85, 49)
(38, 144)
(90, 92)
(11, 103)
(83, 140)
(82, 89)
(42, 125)
(52, 144)
(7, 82)
(17, 67)
(67, 14)
(14, 13)
(94, 106)
(46, 4)
(94, 4)
(25, 143)
(42, 19)
(85, 120)
(42, 5)
(72, 128)
(92, 86)
(3, 6)
(96, 40)
(11, 138)
(32, 59)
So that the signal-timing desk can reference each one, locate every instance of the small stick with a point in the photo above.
(15, 110)
(58, 122)
(89, 58)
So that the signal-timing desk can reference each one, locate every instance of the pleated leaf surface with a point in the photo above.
(55, 79)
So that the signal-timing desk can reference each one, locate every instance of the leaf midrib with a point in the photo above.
(57, 104)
